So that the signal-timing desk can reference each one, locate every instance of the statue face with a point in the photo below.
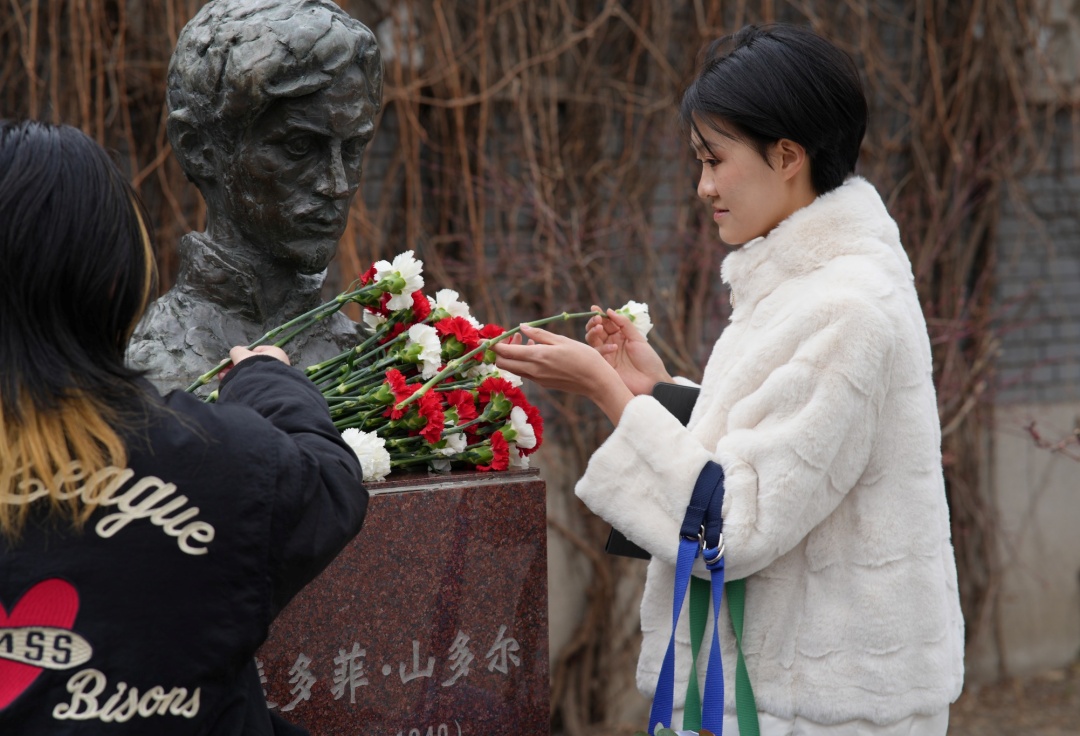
(287, 186)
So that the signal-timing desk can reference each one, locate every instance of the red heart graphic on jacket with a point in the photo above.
(51, 602)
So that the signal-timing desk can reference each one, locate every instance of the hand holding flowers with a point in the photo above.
(621, 337)
(563, 364)
(423, 388)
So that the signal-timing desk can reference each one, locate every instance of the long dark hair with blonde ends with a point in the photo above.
(76, 273)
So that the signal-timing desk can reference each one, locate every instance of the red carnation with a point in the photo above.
(395, 329)
(462, 401)
(489, 331)
(496, 385)
(396, 381)
(421, 307)
(501, 449)
(430, 407)
(461, 330)
(368, 276)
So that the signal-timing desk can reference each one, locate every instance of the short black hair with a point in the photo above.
(76, 268)
(765, 83)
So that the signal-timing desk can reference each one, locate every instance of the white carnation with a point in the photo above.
(513, 378)
(483, 370)
(517, 460)
(638, 312)
(370, 450)
(519, 422)
(450, 302)
(410, 269)
(455, 444)
(373, 319)
(430, 348)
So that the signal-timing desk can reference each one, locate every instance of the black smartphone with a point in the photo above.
(679, 400)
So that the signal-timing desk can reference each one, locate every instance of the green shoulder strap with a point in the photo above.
(745, 707)
(700, 594)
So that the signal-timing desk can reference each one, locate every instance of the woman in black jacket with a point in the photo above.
(146, 543)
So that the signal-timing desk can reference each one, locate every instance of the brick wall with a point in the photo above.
(1038, 275)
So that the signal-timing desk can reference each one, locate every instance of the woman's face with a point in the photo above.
(748, 197)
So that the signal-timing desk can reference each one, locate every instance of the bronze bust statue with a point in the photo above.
(271, 103)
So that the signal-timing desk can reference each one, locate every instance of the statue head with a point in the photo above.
(271, 103)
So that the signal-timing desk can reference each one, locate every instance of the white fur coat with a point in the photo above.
(818, 403)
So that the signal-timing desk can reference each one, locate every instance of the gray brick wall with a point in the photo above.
(1038, 274)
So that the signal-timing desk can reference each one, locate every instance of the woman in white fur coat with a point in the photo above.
(817, 402)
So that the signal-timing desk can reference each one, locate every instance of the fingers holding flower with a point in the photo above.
(620, 338)
(563, 364)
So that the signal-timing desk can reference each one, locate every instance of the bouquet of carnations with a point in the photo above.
(422, 388)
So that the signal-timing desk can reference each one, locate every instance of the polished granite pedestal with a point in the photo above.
(432, 622)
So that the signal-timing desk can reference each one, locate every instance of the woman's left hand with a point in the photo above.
(563, 364)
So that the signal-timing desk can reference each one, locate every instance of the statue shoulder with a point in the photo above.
(162, 318)
(177, 339)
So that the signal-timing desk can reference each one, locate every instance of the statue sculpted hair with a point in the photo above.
(235, 57)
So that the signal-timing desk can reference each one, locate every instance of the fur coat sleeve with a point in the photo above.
(801, 439)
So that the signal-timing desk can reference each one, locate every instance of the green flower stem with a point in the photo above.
(320, 371)
(456, 363)
(340, 400)
(363, 380)
(329, 375)
(312, 371)
(464, 383)
(383, 348)
(307, 319)
(458, 428)
(358, 421)
(305, 325)
(354, 391)
(406, 459)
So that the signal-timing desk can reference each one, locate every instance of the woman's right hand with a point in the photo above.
(627, 351)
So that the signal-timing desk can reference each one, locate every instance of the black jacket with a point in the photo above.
(148, 622)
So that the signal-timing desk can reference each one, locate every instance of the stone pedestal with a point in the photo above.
(432, 622)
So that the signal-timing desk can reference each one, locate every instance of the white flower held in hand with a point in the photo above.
(638, 312)
(410, 269)
(371, 451)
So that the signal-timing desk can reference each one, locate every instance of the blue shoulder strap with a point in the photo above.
(701, 531)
